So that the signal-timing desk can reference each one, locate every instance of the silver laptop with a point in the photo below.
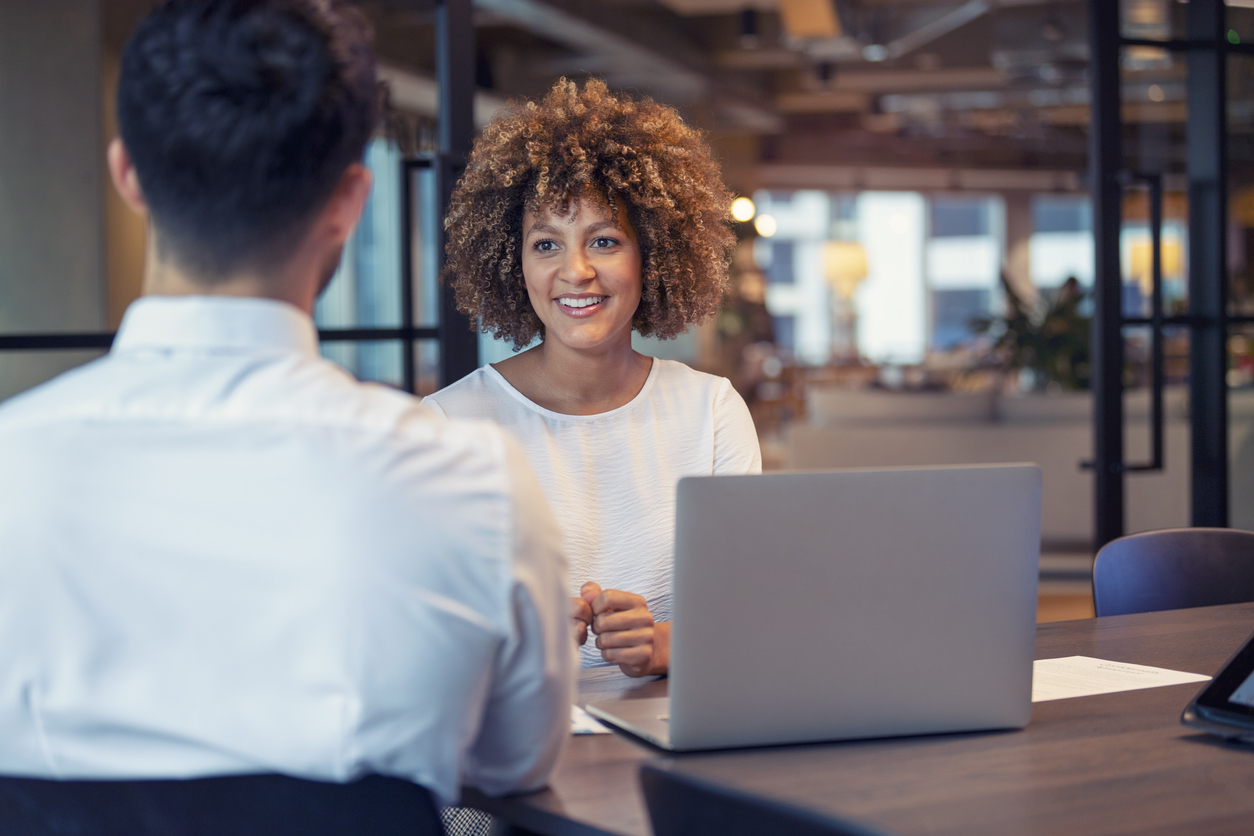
(848, 604)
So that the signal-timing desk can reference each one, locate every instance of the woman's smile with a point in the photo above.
(583, 305)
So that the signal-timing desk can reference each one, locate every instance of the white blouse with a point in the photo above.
(610, 478)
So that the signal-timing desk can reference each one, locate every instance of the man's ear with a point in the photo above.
(344, 208)
(125, 180)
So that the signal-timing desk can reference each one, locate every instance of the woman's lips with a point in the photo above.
(580, 306)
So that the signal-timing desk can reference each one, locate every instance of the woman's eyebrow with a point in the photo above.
(595, 226)
(599, 225)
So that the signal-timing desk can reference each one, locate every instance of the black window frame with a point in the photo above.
(1208, 320)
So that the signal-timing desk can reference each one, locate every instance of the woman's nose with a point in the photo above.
(578, 267)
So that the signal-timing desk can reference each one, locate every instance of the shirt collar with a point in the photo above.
(224, 323)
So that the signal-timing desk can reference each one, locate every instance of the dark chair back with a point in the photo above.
(1174, 569)
(681, 805)
(235, 805)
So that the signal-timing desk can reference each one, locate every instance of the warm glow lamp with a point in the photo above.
(844, 264)
(844, 267)
(765, 225)
(1140, 264)
(742, 209)
(1241, 210)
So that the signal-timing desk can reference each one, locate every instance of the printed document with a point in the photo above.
(1082, 676)
(581, 722)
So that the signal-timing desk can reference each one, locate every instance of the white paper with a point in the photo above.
(581, 722)
(1082, 676)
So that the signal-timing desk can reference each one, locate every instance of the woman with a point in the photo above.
(581, 218)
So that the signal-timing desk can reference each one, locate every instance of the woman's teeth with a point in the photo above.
(582, 303)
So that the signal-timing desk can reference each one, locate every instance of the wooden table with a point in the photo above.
(1107, 764)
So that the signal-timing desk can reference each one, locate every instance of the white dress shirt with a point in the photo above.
(221, 554)
(611, 477)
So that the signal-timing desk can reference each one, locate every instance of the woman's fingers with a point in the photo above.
(615, 621)
(633, 661)
(626, 639)
(624, 628)
(581, 619)
(589, 592)
(611, 600)
(580, 611)
(615, 610)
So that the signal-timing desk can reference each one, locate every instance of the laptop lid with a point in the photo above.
(850, 604)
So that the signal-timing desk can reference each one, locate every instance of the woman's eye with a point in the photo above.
(604, 242)
(544, 245)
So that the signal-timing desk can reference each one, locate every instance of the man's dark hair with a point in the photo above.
(240, 116)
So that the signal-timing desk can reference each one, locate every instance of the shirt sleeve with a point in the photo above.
(736, 449)
(527, 717)
(432, 404)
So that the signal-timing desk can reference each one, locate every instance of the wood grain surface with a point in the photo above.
(1108, 764)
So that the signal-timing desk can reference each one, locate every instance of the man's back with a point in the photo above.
(218, 553)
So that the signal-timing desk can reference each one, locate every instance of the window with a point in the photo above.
(960, 216)
(1061, 214)
(952, 314)
(366, 290)
(785, 331)
(783, 268)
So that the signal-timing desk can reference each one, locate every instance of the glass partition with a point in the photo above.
(22, 370)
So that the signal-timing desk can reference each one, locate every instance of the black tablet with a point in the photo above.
(1226, 706)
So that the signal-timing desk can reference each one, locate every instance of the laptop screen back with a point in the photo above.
(853, 604)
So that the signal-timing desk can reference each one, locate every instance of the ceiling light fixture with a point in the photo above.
(749, 37)
(875, 52)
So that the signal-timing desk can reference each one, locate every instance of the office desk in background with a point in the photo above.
(1108, 764)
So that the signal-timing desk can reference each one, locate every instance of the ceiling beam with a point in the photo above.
(854, 178)
(664, 68)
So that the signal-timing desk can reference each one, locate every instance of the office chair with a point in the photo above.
(681, 805)
(1173, 569)
(235, 805)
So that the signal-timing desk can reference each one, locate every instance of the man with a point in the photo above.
(218, 552)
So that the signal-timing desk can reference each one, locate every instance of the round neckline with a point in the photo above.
(654, 366)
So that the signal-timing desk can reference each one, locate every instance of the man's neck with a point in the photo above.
(162, 277)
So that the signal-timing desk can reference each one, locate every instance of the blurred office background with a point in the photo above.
(914, 280)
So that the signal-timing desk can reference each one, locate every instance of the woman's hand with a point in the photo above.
(581, 618)
(625, 630)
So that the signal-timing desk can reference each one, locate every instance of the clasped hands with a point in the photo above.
(626, 632)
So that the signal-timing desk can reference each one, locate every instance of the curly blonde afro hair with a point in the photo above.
(542, 155)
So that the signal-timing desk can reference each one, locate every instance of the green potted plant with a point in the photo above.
(1050, 338)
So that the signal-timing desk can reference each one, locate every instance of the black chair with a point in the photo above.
(681, 805)
(1174, 569)
(235, 805)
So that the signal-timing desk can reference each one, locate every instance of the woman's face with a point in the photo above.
(582, 271)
